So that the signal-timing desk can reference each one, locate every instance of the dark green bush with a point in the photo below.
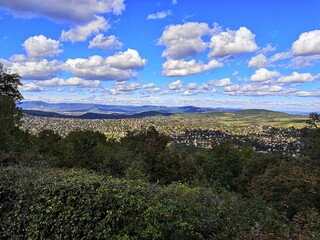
(75, 204)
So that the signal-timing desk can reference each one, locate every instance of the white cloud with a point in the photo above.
(177, 85)
(149, 85)
(268, 48)
(129, 59)
(232, 43)
(153, 90)
(69, 82)
(159, 15)
(121, 66)
(30, 87)
(81, 33)
(34, 70)
(174, 2)
(107, 43)
(184, 40)
(61, 10)
(124, 87)
(263, 74)
(280, 56)
(304, 61)
(235, 73)
(221, 83)
(192, 86)
(18, 58)
(190, 92)
(258, 61)
(40, 46)
(193, 89)
(307, 94)
(231, 88)
(204, 87)
(297, 78)
(183, 68)
(255, 90)
(308, 43)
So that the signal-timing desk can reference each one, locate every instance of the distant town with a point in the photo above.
(201, 130)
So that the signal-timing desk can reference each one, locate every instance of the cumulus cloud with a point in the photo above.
(183, 68)
(81, 33)
(152, 90)
(106, 43)
(159, 15)
(296, 77)
(34, 70)
(174, 2)
(193, 89)
(263, 74)
(121, 66)
(255, 90)
(18, 58)
(54, 82)
(30, 87)
(221, 83)
(192, 86)
(61, 10)
(308, 43)
(41, 46)
(124, 87)
(149, 85)
(232, 43)
(184, 40)
(258, 61)
(176, 85)
(189, 92)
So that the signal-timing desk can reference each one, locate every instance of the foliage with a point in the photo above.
(9, 84)
(290, 189)
(10, 115)
(57, 204)
(313, 120)
(310, 146)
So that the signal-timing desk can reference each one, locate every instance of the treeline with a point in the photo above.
(84, 186)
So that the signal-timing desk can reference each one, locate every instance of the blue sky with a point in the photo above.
(246, 54)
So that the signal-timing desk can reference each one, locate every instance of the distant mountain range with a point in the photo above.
(101, 111)
(91, 115)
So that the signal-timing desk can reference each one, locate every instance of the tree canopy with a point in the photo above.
(314, 120)
(10, 115)
(9, 83)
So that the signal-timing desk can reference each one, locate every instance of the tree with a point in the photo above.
(81, 146)
(9, 84)
(314, 120)
(10, 115)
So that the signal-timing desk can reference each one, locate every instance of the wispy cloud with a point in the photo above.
(159, 15)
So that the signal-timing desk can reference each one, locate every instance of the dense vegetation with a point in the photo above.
(84, 186)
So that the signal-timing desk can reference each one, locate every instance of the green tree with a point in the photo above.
(313, 120)
(81, 146)
(143, 149)
(290, 189)
(310, 141)
(10, 114)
